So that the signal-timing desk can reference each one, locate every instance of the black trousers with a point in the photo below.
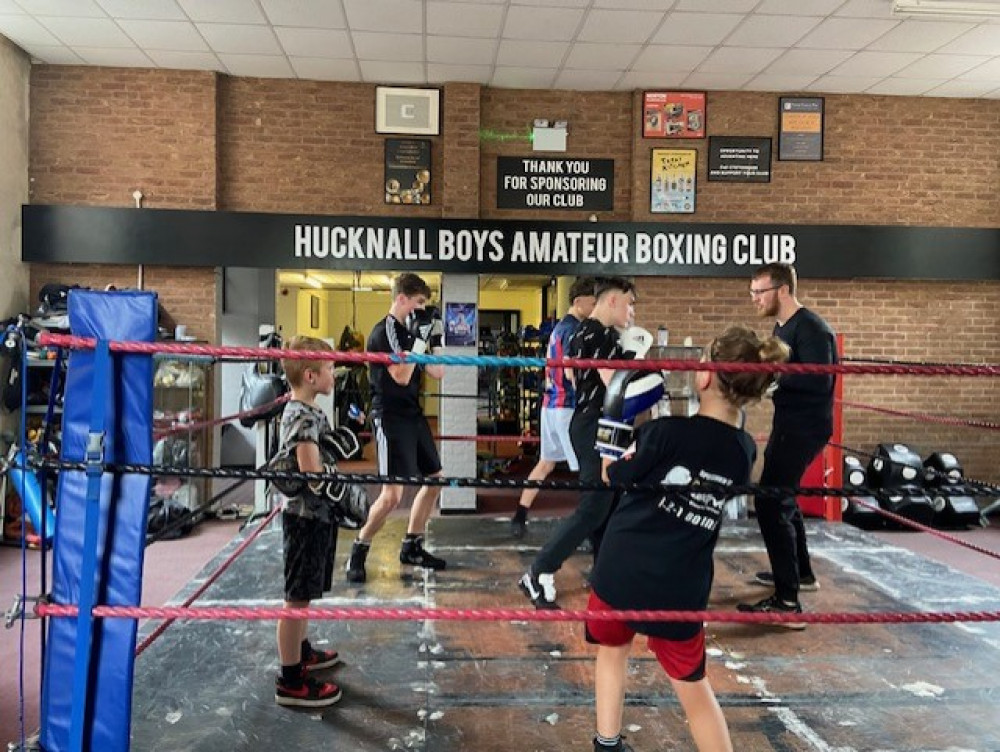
(785, 460)
(591, 515)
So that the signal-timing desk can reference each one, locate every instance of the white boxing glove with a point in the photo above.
(637, 341)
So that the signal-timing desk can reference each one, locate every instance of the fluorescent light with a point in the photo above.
(945, 8)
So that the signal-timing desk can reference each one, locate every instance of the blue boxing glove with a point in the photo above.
(629, 394)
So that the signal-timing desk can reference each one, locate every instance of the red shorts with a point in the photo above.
(683, 660)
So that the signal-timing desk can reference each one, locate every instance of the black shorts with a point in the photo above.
(309, 547)
(406, 447)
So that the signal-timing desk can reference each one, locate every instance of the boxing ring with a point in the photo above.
(901, 653)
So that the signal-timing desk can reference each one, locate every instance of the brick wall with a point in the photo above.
(191, 139)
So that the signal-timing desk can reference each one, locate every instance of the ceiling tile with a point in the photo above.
(322, 14)
(651, 80)
(904, 87)
(114, 57)
(464, 20)
(845, 34)
(441, 73)
(460, 51)
(556, 24)
(843, 84)
(185, 60)
(389, 47)
(769, 82)
(25, 31)
(719, 6)
(635, 4)
(164, 35)
(743, 59)
(962, 89)
(381, 71)
(10, 8)
(664, 58)
(258, 66)
(808, 62)
(866, 9)
(941, 66)
(799, 7)
(325, 69)
(555, 3)
(982, 40)
(87, 32)
(518, 54)
(514, 77)
(385, 15)
(586, 80)
(240, 39)
(150, 10)
(53, 55)
(875, 63)
(300, 42)
(919, 36)
(63, 8)
(989, 71)
(611, 57)
(772, 31)
(717, 81)
(224, 11)
(696, 28)
(619, 25)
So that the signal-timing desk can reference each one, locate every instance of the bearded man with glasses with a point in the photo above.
(803, 423)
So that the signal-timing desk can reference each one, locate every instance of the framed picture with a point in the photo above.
(739, 159)
(313, 312)
(674, 114)
(407, 171)
(460, 329)
(800, 129)
(672, 177)
(407, 111)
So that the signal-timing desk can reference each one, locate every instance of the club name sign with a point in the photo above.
(182, 237)
(576, 184)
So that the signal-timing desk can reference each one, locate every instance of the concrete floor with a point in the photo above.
(456, 686)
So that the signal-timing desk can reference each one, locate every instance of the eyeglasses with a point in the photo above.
(757, 293)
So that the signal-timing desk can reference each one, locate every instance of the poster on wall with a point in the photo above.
(673, 114)
(573, 184)
(407, 171)
(460, 328)
(739, 159)
(672, 181)
(800, 131)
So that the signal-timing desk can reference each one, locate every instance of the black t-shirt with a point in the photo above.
(803, 403)
(657, 551)
(592, 340)
(388, 397)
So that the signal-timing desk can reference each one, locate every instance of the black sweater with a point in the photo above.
(804, 403)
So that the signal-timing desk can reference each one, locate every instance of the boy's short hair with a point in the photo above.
(583, 287)
(295, 368)
(604, 285)
(410, 285)
(780, 274)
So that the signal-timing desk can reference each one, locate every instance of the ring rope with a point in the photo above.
(162, 627)
(493, 361)
(193, 427)
(925, 417)
(241, 613)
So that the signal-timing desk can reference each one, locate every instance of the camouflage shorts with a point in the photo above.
(310, 546)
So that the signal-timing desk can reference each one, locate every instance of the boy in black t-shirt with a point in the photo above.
(657, 549)
(403, 437)
(596, 338)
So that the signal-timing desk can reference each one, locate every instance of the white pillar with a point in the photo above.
(457, 415)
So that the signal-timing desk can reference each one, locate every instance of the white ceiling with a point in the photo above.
(834, 46)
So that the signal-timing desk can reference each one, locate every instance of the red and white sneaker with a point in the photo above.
(309, 693)
(314, 659)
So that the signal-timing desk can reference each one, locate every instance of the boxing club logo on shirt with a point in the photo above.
(701, 509)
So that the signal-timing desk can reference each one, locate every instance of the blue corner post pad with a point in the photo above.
(100, 525)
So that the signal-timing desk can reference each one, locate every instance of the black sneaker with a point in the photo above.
(413, 553)
(774, 605)
(308, 694)
(518, 528)
(316, 660)
(808, 584)
(356, 563)
(540, 588)
(622, 746)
